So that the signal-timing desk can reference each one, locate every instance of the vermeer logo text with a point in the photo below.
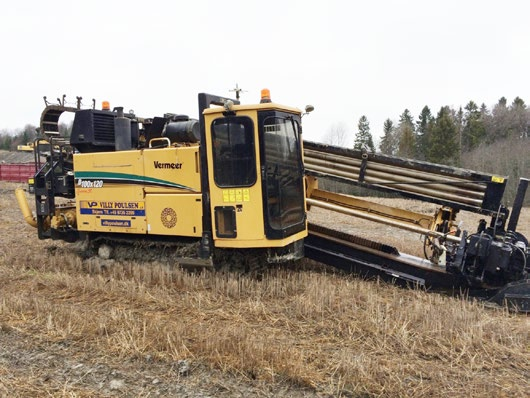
(160, 165)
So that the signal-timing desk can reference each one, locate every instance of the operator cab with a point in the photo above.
(256, 177)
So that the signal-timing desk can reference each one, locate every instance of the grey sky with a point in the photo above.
(346, 58)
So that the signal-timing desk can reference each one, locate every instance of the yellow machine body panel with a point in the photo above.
(151, 191)
(175, 169)
(174, 214)
(105, 201)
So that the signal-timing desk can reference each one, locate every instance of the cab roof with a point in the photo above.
(262, 106)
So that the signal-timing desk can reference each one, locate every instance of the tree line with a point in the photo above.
(475, 137)
(451, 133)
(11, 139)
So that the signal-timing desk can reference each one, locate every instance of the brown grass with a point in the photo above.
(329, 333)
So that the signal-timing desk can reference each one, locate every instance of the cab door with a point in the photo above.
(235, 184)
(282, 174)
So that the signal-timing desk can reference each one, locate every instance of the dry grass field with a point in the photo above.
(68, 329)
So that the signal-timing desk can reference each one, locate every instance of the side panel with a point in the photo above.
(172, 170)
(152, 191)
(174, 214)
(173, 191)
(107, 198)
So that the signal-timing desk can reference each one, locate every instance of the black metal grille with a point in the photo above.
(103, 127)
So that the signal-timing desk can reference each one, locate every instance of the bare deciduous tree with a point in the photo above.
(336, 135)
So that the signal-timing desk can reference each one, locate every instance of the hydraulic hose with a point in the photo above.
(24, 207)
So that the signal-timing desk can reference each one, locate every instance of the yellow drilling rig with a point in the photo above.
(240, 180)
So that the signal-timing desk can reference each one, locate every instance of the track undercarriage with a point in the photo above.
(177, 253)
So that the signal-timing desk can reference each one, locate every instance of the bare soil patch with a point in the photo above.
(146, 329)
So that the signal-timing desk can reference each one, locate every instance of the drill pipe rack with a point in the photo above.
(457, 188)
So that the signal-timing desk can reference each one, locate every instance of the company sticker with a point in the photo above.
(104, 208)
(116, 223)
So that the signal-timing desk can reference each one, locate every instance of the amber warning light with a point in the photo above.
(105, 106)
(265, 95)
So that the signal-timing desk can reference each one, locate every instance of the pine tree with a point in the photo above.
(444, 145)
(500, 123)
(422, 133)
(474, 130)
(406, 136)
(520, 118)
(407, 142)
(364, 138)
(518, 103)
(406, 117)
(459, 122)
(508, 122)
(388, 142)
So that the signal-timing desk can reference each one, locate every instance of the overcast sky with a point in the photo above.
(346, 58)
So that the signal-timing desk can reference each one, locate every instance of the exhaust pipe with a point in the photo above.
(24, 207)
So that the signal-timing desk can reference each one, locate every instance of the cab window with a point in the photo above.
(283, 178)
(234, 155)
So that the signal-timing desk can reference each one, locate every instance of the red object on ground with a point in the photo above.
(17, 172)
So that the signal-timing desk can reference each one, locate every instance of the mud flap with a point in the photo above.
(515, 295)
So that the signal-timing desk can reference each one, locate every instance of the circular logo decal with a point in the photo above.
(168, 217)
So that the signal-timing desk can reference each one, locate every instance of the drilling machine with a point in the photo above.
(238, 181)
